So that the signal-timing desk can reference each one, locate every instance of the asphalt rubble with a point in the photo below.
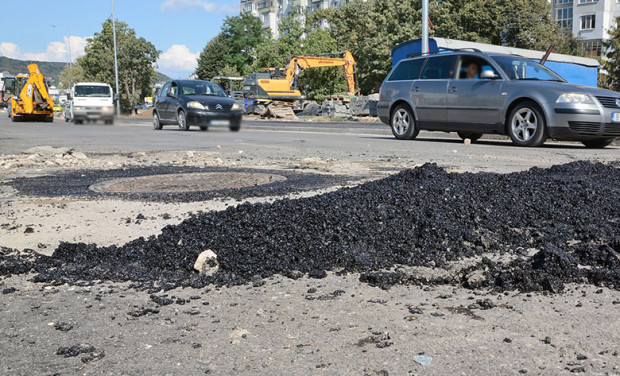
(529, 231)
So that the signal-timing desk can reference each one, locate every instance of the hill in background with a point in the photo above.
(49, 69)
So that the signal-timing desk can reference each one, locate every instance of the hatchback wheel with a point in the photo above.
(156, 123)
(403, 124)
(526, 125)
(182, 121)
(598, 143)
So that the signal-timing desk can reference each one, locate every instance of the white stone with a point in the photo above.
(206, 263)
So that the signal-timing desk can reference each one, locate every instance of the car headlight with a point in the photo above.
(236, 106)
(575, 98)
(196, 105)
(77, 108)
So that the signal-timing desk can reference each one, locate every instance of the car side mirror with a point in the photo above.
(488, 74)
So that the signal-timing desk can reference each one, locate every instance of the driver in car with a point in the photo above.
(472, 71)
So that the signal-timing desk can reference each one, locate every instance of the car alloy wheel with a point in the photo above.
(401, 121)
(524, 124)
(156, 122)
(182, 121)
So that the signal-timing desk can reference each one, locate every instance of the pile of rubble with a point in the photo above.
(532, 231)
(337, 108)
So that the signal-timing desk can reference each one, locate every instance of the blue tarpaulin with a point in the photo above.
(574, 69)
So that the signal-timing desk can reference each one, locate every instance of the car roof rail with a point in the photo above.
(442, 50)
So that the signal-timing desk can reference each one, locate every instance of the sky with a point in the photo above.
(178, 28)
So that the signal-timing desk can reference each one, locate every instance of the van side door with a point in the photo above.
(428, 93)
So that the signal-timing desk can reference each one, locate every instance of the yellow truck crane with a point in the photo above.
(264, 88)
(30, 99)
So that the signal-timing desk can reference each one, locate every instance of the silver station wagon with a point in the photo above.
(474, 93)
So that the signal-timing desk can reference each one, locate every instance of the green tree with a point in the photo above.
(212, 58)
(71, 75)
(136, 62)
(244, 33)
(610, 77)
(516, 23)
(371, 29)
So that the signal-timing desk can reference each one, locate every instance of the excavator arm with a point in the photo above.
(298, 64)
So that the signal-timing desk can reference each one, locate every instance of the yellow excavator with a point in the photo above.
(30, 99)
(265, 87)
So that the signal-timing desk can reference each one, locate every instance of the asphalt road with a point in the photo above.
(282, 141)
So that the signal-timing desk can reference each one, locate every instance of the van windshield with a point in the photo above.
(92, 91)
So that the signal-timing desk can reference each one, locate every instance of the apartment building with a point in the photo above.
(271, 12)
(588, 20)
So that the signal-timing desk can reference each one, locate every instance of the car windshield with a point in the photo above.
(202, 88)
(518, 68)
(92, 91)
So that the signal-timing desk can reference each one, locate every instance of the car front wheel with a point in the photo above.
(598, 143)
(156, 123)
(526, 125)
(182, 121)
(403, 124)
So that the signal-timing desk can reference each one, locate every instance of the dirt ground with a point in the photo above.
(331, 326)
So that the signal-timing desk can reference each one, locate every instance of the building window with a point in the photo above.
(588, 22)
(561, 2)
(587, 1)
(564, 17)
(591, 48)
(247, 7)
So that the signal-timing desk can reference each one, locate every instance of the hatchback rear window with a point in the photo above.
(407, 70)
(438, 68)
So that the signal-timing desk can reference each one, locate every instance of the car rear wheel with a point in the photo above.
(182, 121)
(77, 121)
(403, 124)
(204, 128)
(472, 136)
(156, 123)
(526, 125)
(598, 143)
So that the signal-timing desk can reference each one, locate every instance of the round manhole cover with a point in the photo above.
(188, 182)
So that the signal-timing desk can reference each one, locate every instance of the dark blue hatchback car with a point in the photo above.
(195, 103)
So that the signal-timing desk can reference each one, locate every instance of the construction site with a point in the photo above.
(453, 220)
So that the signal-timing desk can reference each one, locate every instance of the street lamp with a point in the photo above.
(68, 42)
(118, 98)
(425, 49)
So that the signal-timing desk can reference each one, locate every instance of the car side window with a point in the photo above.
(471, 67)
(174, 90)
(164, 90)
(439, 68)
(407, 70)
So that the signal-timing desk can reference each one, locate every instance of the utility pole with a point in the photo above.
(425, 16)
(68, 43)
(118, 97)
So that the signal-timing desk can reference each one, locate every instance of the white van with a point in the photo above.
(91, 101)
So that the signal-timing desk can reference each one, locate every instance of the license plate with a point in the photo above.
(220, 122)
(615, 117)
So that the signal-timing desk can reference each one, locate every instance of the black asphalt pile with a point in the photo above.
(532, 231)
